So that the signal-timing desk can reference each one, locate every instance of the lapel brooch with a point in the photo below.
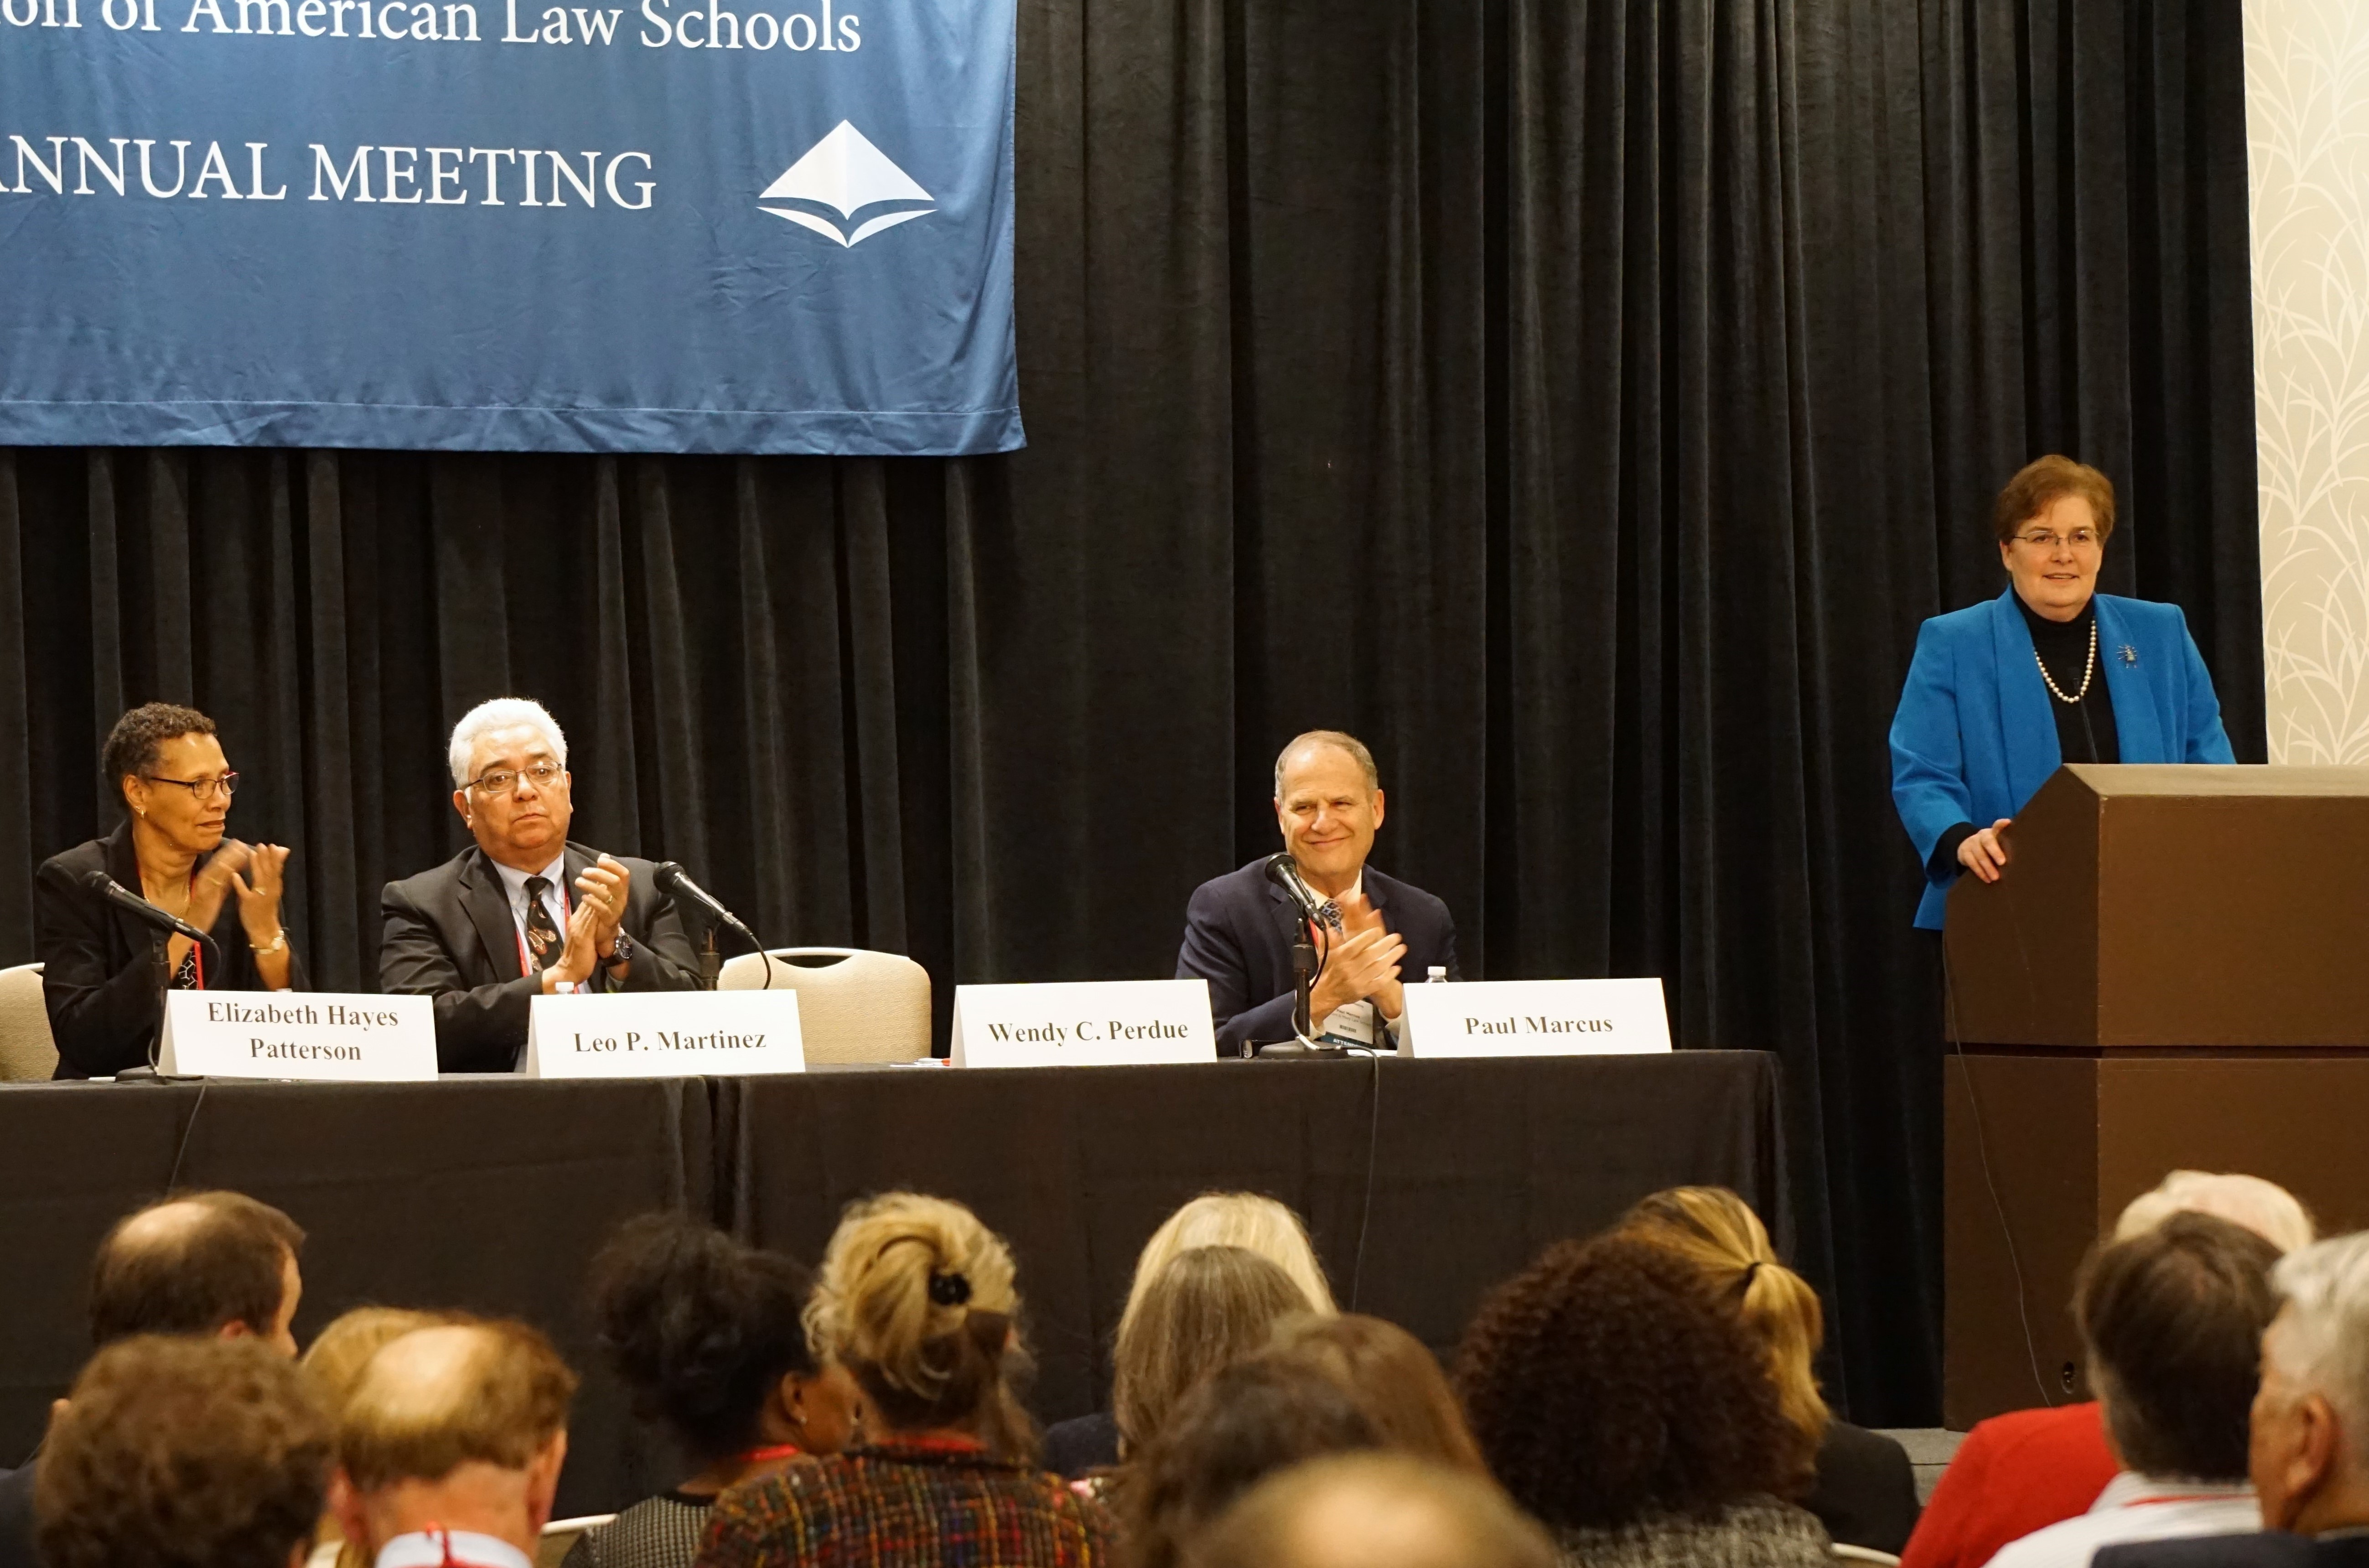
(2130, 655)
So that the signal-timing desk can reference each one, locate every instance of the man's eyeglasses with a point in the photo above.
(201, 789)
(543, 775)
(2080, 539)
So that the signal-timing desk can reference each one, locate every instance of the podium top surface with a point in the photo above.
(2195, 780)
(2171, 906)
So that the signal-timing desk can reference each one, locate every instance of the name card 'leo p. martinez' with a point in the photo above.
(1492, 1018)
(1083, 1024)
(664, 1034)
(314, 1037)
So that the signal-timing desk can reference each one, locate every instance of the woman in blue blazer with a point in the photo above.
(2050, 671)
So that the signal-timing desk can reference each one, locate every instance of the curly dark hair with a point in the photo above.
(1605, 1384)
(1234, 1428)
(700, 1327)
(132, 745)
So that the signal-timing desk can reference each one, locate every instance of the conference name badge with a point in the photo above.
(311, 1036)
(663, 1034)
(1083, 1024)
(1536, 1018)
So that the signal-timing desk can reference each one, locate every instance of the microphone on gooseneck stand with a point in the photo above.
(1284, 872)
(676, 882)
(132, 904)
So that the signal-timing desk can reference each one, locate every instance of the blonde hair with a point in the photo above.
(1717, 1231)
(1210, 1306)
(490, 1393)
(916, 1300)
(1248, 1220)
(333, 1364)
(2264, 1207)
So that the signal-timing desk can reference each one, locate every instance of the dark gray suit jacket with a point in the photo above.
(1238, 934)
(448, 933)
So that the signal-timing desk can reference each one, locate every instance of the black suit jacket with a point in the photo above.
(1239, 930)
(17, 1547)
(448, 933)
(99, 978)
(2263, 1549)
(1866, 1488)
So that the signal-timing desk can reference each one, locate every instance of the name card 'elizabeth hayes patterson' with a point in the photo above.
(664, 1034)
(1531, 1018)
(1083, 1024)
(338, 1040)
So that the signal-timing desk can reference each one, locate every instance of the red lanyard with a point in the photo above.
(197, 949)
(771, 1453)
(517, 931)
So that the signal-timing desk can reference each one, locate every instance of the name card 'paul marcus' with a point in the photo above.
(1240, 928)
(495, 926)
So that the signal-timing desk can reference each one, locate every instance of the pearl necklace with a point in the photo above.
(2089, 672)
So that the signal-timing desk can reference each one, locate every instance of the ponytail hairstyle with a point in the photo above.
(1717, 1231)
(916, 1301)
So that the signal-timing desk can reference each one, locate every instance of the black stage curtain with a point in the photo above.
(1582, 400)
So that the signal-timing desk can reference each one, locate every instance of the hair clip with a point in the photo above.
(948, 1289)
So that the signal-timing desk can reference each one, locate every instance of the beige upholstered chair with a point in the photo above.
(27, 1053)
(561, 1534)
(854, 1006)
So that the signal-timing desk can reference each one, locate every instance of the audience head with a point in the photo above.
(1372, 1511)
(2264, 1207)
(202, 1262)
(510, 783)
(1605, 1385)
(158, 742)
(1233, 1219)
(2311, 1434)
(463, 1425)
(1239, 1424)
(706, 1332)
(178, 1451)
(1394, 1379)
(333, 1364)
(916, 1298)
(1209, 1306)
(1716, 1231)
(2171, 1320)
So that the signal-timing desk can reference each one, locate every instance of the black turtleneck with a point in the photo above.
(2085, 730)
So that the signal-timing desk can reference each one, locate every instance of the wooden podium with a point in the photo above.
(2173, 973)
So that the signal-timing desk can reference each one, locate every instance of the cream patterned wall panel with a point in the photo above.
(2308, 136)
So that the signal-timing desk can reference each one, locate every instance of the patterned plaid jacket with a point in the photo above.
(905, 1508)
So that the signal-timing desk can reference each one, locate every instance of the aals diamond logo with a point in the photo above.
(846, 174)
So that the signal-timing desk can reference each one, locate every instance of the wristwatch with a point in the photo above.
(622, 953)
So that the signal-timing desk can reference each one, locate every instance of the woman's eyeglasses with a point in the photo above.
(201, 789)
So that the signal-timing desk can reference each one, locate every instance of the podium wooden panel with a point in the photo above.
(2173, 973)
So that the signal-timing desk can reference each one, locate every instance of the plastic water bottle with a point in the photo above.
(1436, 976)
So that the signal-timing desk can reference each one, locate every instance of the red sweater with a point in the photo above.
(2014, 1474)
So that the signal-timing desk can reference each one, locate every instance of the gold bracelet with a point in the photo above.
(278, 942)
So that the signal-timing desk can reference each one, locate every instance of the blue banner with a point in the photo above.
(661, 225)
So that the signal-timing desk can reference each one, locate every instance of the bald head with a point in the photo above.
(492, 1393)
(1373, 1510)
(209, 1263)
(2264, 1207)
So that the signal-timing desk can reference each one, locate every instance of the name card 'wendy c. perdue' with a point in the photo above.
(309, 1037)
(1536, 1018)
(1083, 1024)
(663, 1034)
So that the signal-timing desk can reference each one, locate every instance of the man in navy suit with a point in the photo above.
(2309, 1455)
(1240, 928)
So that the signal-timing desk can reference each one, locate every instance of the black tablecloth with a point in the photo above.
(492, 1193)
(1475, 1165)
(485, 1194)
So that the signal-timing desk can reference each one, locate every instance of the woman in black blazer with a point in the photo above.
(103, 975)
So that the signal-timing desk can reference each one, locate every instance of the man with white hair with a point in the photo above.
(2309, 1449)
(497, 925)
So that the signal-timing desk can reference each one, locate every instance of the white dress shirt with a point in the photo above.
(553, 899)
(2133, 1508)
(461, 1549)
